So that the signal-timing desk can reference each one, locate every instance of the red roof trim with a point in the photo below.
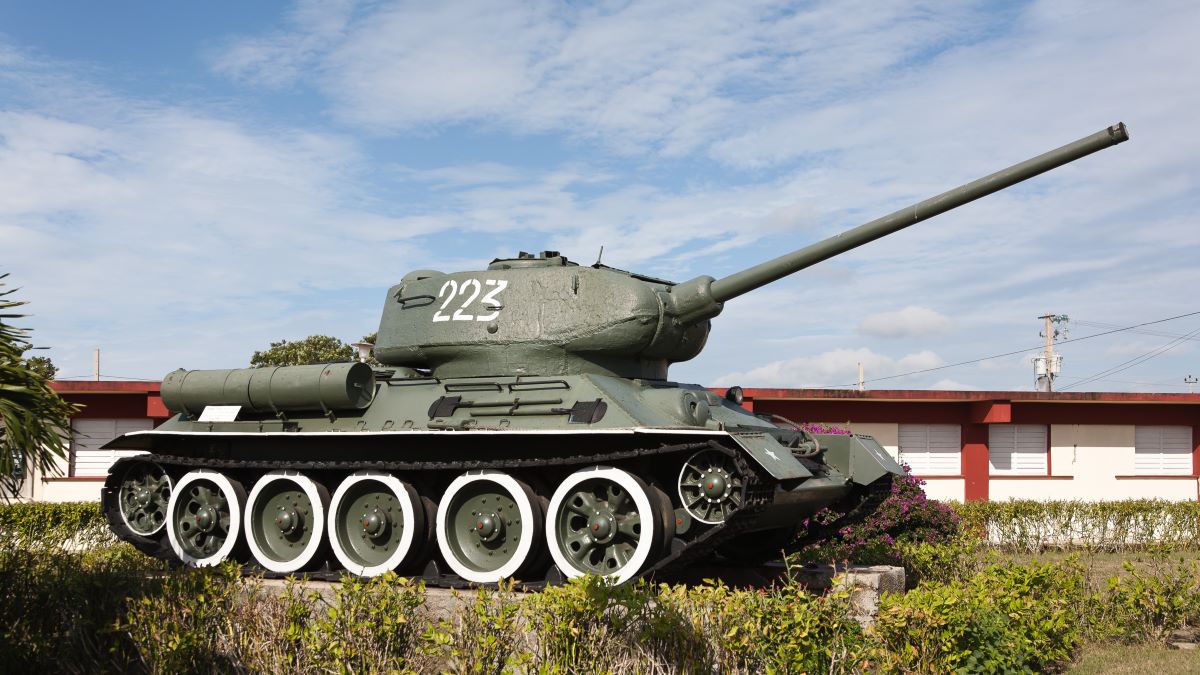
(946, 395)
(105, 387)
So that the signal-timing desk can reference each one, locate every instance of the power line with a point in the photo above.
(1155, 333)
(1138, 360)
(1014, 353)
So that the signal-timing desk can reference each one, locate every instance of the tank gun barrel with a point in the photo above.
(700, 298)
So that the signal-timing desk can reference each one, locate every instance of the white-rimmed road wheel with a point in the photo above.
(285, 521)
(605, 521)
(376, 523)
(204, 520)
(489, 526)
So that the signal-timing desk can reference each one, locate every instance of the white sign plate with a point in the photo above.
(220, 413)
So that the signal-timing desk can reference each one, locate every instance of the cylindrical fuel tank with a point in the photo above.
(328, 386)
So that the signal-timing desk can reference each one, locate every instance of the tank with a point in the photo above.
(521, 424)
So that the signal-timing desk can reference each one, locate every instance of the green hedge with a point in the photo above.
(54, 525)
(1028, 525)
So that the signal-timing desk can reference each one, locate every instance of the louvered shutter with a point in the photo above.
(932, 449)
(1163, 451)
(1017, 449)
(87, 435)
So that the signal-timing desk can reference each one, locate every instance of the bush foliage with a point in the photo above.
(905, 516)
(110, 609)
(1028, 525)
(49, 525)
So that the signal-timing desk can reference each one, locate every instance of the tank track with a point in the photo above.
(682, 551)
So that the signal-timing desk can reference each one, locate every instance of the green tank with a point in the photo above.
(522, 424)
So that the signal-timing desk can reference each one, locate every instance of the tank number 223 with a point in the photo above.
(470, 289)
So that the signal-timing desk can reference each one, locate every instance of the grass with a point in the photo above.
(1135, 659)
(1101, 565)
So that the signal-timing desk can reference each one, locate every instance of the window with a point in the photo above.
(932, 449)
(87, 435)
(1017, 450)
(1162, 451)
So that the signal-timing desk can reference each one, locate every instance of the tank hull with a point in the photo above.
(708, 469)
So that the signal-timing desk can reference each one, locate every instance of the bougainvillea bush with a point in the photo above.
(906, 516)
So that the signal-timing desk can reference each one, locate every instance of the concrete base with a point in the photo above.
(866, 584)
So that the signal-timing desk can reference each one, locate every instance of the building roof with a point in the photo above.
(943, 395)
(105, 387)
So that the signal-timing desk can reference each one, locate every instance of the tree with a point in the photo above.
(34, 420)
(43, 366)
(312, 349)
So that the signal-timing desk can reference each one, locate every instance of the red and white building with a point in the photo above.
(110, 408)
(979, 445)
(967, 445)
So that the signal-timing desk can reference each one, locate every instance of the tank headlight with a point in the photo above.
(734, 395)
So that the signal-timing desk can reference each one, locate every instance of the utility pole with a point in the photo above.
(861, 381)
(1191, 383)
(96, 365)
(1047, 366)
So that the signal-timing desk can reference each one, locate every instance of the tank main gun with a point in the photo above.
(702, 297)
(547, 316)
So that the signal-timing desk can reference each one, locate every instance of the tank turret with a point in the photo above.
(545, 315)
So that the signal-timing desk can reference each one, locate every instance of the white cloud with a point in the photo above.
(836, 368)
(948, 384)
(912, 321)
(281, 57)
(670, 74)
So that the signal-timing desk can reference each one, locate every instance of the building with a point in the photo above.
(967, 445)
(110, 408)
(978, 445)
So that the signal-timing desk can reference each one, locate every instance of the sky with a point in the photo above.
(182, 184)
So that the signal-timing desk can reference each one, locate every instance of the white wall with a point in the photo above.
(888, 435)
(946, 489)
(52, 488)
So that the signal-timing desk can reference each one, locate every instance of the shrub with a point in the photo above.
(588, 624)
(904, 516)
(1147, 605)
(51, 525)
(369, 627)
(783, 629)
(956, 559)
(57, 609)
(483, 636)
(1028, 525)
(1008, 618)
(187, 625)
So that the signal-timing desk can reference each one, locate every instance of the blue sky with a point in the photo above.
(182, 184)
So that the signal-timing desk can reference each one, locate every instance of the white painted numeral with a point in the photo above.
(490, 300)
(452, 286)
(458, 313)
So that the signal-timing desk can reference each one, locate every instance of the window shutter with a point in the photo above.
(1017, 449)
(932, 449)
(1161, 450)
(87, 435)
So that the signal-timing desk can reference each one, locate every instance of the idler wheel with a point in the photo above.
(710, 486)
(204, 519)
(143, 496)
(605, 521)
(285, 521)
(489, 526)
(375, 520)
